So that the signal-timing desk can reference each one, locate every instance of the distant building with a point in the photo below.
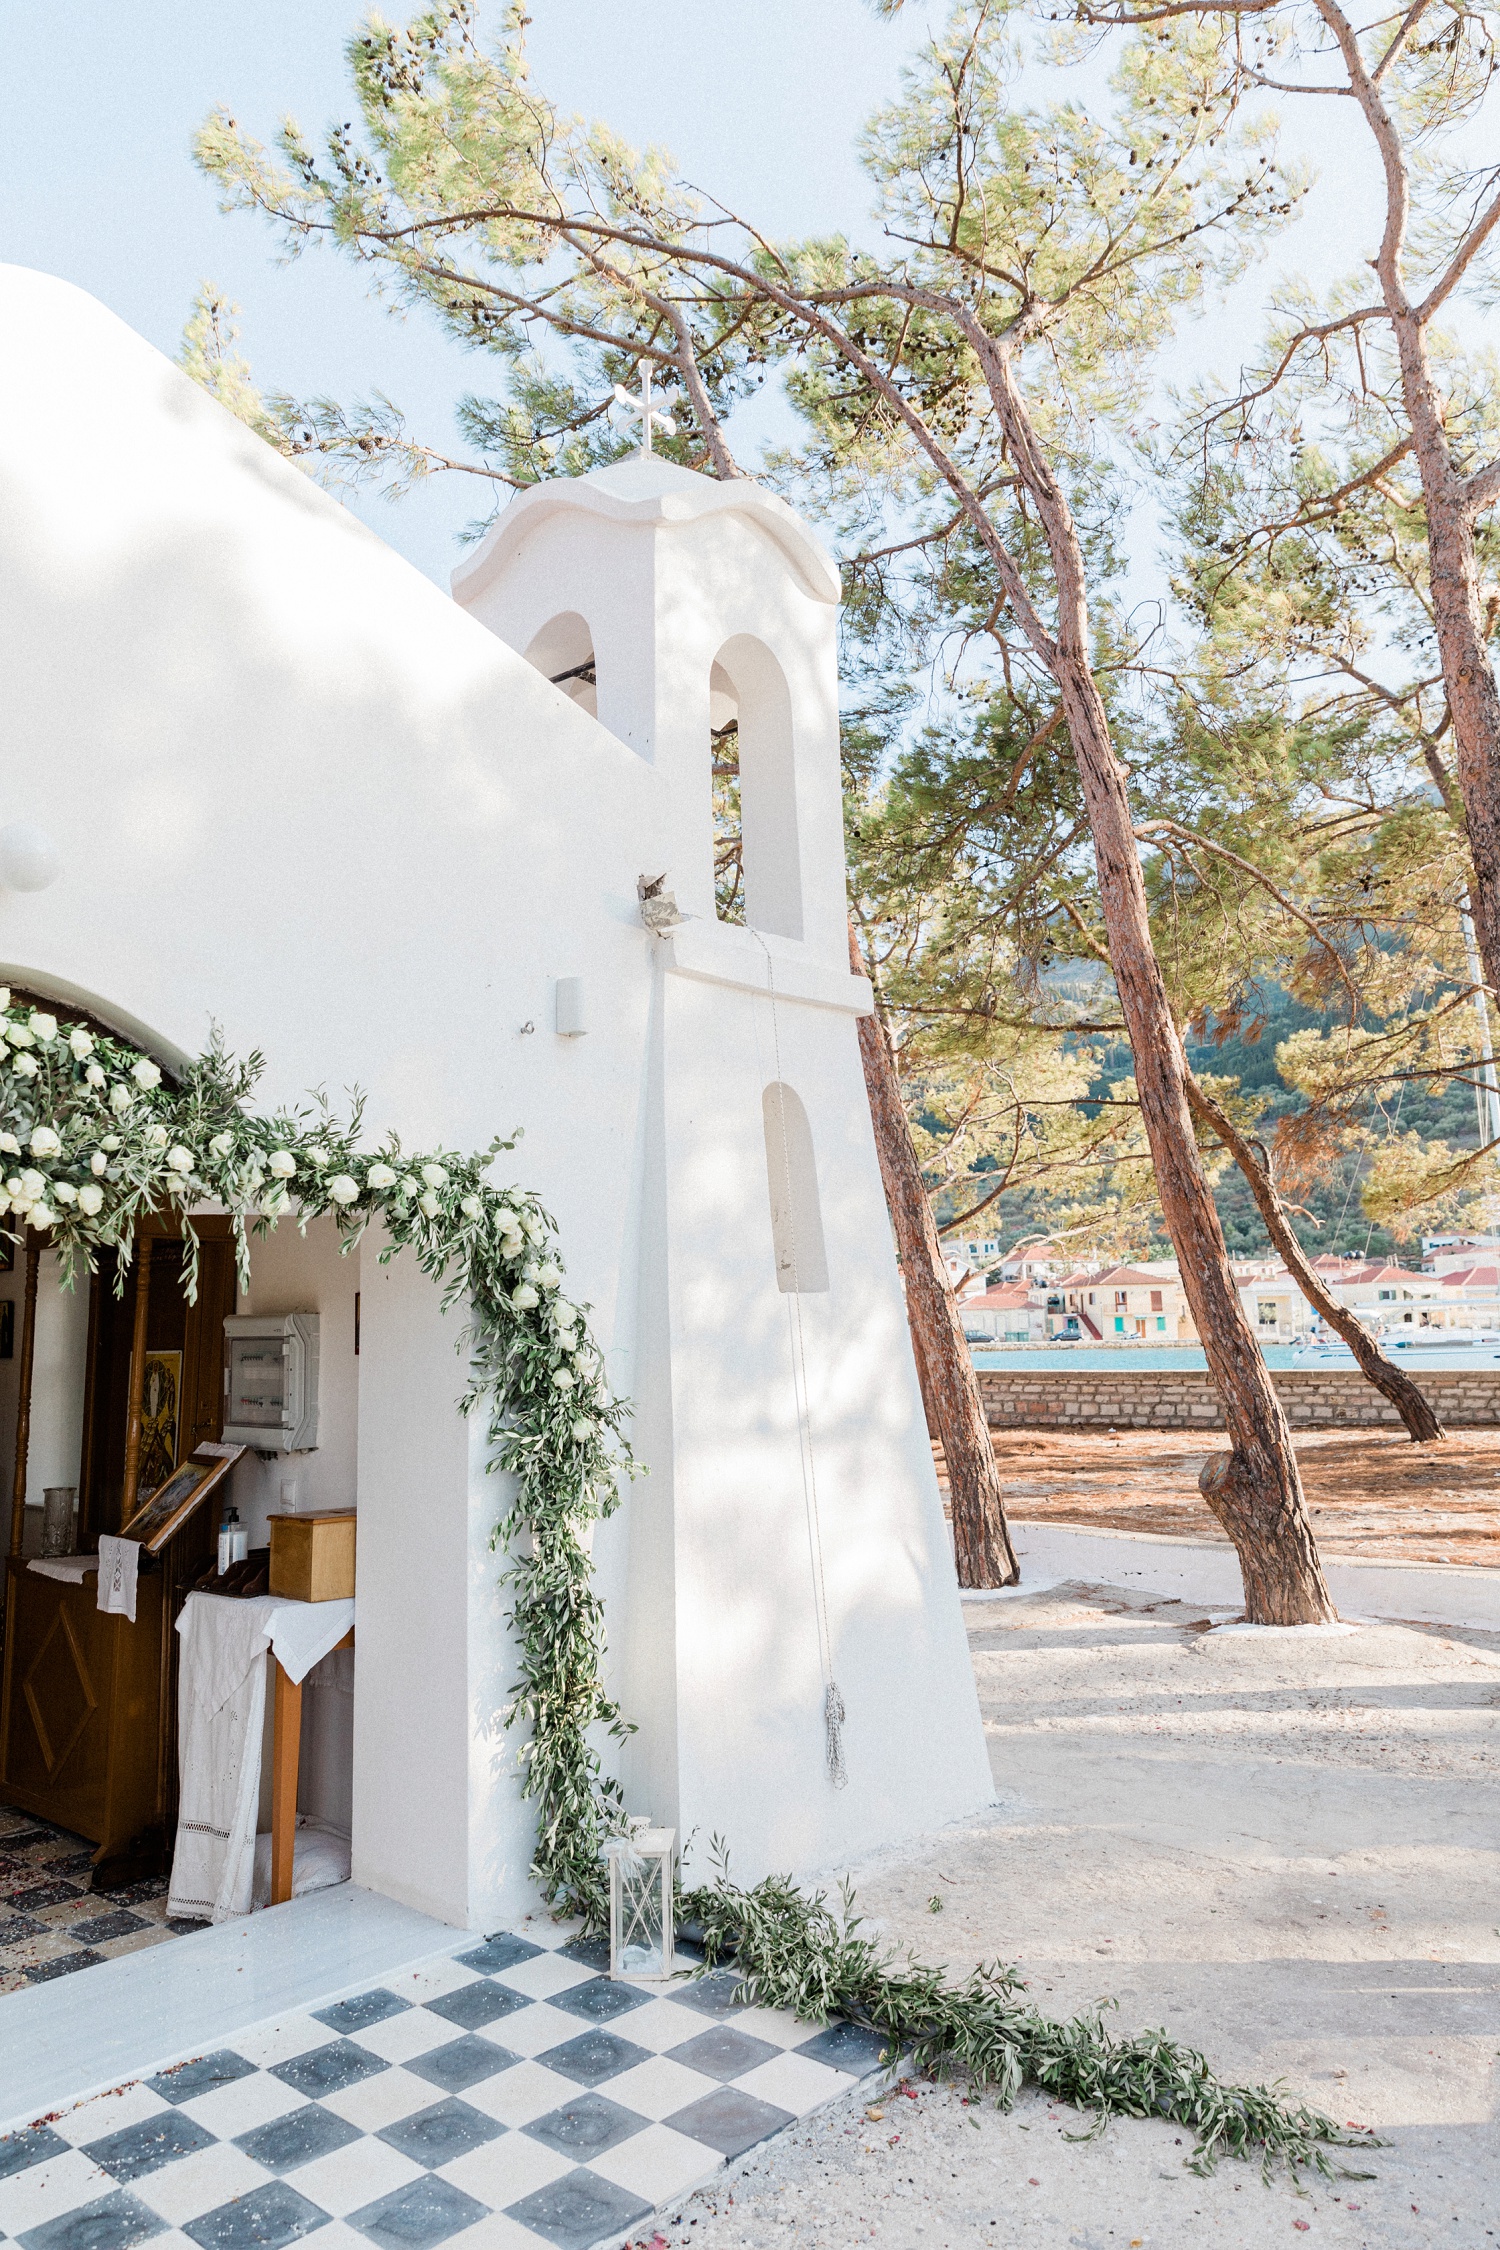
(1445, 1253)
(1034, 1262)
(1120, 1305)
(1010, 1313)
(968, 1262)
(1273, 1302)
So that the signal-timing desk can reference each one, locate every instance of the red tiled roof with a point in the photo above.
(1008, 1293)
(1131, 1277)
(1471, 1277)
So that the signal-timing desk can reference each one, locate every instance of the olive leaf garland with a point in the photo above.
(94, 1136)
(97, 1137)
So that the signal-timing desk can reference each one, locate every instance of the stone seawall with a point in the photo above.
(1315, 1398)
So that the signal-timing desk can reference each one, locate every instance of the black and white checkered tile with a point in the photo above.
(506, 2097)
(52, 1921)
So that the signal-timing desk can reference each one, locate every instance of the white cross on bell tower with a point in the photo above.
(644, 411)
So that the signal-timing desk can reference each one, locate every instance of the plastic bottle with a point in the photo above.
(226, 1543)
(239, 1537)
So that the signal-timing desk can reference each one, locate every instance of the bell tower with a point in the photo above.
(789, 1536)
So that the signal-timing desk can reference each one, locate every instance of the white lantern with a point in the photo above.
(640, 1901)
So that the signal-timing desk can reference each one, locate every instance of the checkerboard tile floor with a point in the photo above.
(506, 2097)
(50, 1921)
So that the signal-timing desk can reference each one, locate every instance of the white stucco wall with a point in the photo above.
(297, 791)
(680, 582)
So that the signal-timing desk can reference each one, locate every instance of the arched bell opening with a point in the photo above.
(564, 652)
(757, 856)
(792, 1178)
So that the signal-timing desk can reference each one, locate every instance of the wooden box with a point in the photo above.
(312, 1557)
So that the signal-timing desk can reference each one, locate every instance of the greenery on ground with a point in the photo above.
(800, 1952)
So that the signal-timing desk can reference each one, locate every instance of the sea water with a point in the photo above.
(1147, 1359)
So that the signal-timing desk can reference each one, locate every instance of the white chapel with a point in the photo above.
(397, 841)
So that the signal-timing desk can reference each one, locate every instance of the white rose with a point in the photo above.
(26, 1065)
(156, 1136)
(145, 1074)
(341, 1189)
(90, 1200)
(63, 1193)
(14, 1189)
(98, 1163)
(40, 1216)
(120, 1098)
(549, 1275)
(94, 1075)
(429, 1203)
(81, 1042)
(380, 1176)
(471, 1207)
(434, 1175)
(18, 1035)
(582, 1429)
(111, 1141)
(534, 1229)
(42, 1027)
(561, 1379)
(281, 1164)
(33, 1186)
(525, 1297)
(44, 1142)
(221, 1145)
(10, 1144)
(181, 1159)
(317, 1155)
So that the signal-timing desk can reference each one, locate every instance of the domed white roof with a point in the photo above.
(645, 489)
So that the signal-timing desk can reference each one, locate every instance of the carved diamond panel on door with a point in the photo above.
(59, 1693)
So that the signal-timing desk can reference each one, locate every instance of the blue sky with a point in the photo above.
(761, 98)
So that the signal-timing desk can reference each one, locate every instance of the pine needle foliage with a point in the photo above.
(802, 1953)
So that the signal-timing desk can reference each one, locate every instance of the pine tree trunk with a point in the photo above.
(945, 1365)
(1451, 506)
(1453, 579)
(1255, 1491)
(1393, 1382)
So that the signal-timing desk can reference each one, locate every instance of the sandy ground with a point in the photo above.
(1283, 1848)
(1373, 1494)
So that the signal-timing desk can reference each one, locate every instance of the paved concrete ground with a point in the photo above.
(1283, 1847)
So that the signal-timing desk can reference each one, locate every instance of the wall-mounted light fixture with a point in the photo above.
(572, 1019)
(28, 857)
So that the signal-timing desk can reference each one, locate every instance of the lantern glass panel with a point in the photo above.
(640, 1902)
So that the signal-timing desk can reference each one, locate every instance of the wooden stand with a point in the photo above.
(286, 1757)
(82, 1701)
(88, 1733)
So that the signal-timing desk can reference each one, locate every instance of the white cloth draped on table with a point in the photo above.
(221, 1715)
(69, 1570)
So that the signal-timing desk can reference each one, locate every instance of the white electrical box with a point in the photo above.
(271, 1381)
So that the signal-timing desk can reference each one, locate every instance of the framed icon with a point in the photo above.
(167, 1509)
